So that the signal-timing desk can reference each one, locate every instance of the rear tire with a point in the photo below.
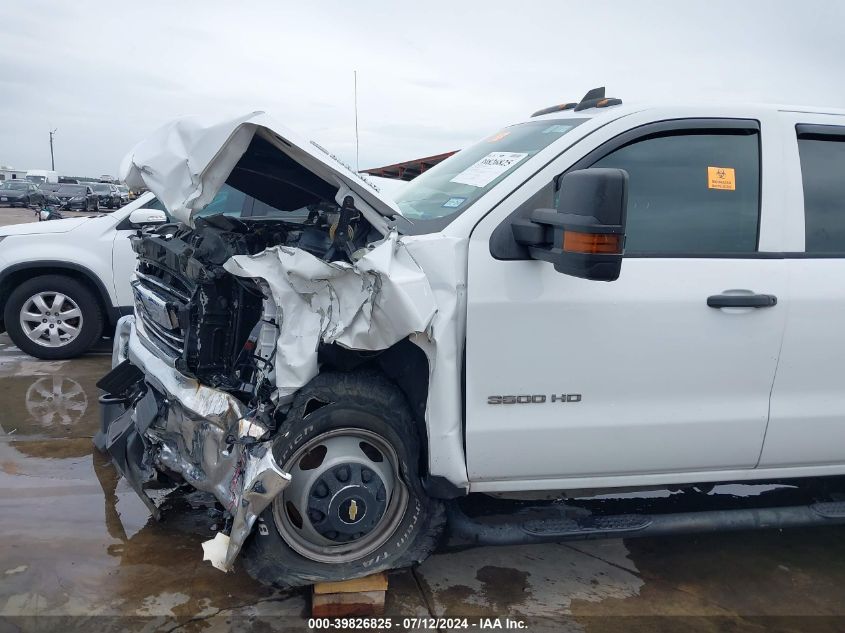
(79, 300)
(344, 408)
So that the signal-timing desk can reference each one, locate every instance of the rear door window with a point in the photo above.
(822, 153)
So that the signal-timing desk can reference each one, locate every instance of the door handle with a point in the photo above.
(741, 301)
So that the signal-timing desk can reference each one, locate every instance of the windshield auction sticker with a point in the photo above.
(721, 178)
(489, 168)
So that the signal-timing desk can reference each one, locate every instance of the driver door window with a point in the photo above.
(691, 193)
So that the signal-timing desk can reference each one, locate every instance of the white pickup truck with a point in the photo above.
(601, 297)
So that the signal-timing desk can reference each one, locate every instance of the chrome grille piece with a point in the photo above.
(157, 306)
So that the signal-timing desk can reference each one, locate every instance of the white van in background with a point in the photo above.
(40, 176)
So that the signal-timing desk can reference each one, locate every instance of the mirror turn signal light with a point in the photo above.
(594, 243)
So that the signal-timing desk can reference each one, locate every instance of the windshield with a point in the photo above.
(74, 189)
(102, 189)
(449, 188)
(13, 185)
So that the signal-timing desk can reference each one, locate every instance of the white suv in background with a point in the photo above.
(64, 283)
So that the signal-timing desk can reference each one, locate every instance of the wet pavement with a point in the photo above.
(81, 552)
(21, 215)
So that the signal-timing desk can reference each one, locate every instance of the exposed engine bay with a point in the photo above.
(232, 309)
(215, 325)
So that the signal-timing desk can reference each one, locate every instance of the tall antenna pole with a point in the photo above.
(52, 159)
(355, 74)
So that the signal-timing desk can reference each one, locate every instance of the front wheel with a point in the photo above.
(355, 504)
(53, 317)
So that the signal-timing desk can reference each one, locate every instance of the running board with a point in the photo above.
(592, 526)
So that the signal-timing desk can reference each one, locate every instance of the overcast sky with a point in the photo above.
(432, 76)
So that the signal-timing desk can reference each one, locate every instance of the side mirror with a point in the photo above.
(585, 236)
(142, 217)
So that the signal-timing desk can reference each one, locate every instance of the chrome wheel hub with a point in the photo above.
(347, 502)
(51, 319)
(345, 498)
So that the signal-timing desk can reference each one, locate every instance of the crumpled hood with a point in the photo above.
(186, 162)
(40, 228)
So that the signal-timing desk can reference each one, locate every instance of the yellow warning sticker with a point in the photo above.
(721, 178)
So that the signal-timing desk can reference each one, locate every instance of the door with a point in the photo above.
(807, 425)
(569, 378)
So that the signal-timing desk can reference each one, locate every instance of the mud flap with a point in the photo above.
(116, 386)
(110, 409)
(124, 444)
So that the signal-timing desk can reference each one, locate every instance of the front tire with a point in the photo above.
(53, 317)
(355, 505)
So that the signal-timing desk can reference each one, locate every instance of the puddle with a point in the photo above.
(40, 399)
(55, 400)
(530, 580)
(83, 543)
(78, 541)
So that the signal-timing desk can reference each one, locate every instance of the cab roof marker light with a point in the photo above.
(555, 108)
(611, 101)
(593, 99)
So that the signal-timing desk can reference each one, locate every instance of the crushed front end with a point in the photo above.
(280, 254)
(192, 396)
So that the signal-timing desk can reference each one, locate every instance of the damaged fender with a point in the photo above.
(381, 299)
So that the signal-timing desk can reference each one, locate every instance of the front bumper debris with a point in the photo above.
(183, 428)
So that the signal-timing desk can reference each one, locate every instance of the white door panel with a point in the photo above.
(807, 418)
(662, 383)
(123, 265)
(667, 384)
(807, 424)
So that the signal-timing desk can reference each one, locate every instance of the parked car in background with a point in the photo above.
(20, 193)
(64, 283)
(107, 195)
(68, 181)
(80, 197)
(87, 260)
(124, 194)
(48, 190)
